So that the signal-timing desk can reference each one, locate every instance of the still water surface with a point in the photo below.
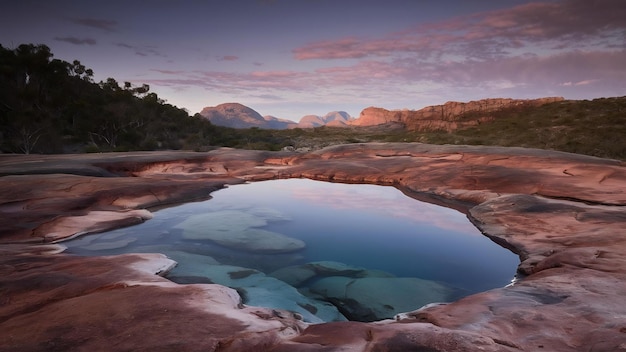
(375, 229)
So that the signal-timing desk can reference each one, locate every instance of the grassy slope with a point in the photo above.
(596, 127)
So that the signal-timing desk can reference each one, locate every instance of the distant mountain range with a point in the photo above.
(236, 115)
(447, 117)
(333, 118)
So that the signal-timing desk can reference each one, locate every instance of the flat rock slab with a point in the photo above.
(564, 214)
(378, 298)
(299, 275)
(266, 291)
(238, 230)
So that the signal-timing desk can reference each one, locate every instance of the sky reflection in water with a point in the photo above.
(375, 227)
(379, 227)
(371, 227)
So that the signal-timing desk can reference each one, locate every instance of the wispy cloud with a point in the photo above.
(228, 58)
(273, 84)
(582, 24)
(574, 48)
(141, 50)
(579, 83)
(168, 72)
(255, 80)
(76, 41)
(106, 25)
(268, 97)
(386, 80)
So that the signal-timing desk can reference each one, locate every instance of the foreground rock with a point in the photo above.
(562, 213)
(54, 302)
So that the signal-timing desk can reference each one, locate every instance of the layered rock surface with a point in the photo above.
(562, 213)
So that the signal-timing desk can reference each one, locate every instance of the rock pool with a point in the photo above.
(325, 251)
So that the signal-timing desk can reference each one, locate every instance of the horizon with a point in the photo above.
(289, 59)
(407, 109)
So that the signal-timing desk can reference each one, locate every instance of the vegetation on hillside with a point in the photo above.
(53, 106)
(592, 127)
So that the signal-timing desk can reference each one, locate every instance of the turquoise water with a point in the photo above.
(318, 239)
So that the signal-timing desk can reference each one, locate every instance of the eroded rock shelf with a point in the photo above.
(563, 214)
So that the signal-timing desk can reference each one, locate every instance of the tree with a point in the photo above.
(47, 102)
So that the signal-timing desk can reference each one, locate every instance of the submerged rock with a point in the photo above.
(186, 260)
(101, 246)
(299, 275)
(294, 275)
(238, 230)
(256, 240)
(268, 214)
(257, 289)
(196, 226)
(273, 293)
(376, 298)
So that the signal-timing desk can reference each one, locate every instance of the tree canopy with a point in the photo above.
(49, 105)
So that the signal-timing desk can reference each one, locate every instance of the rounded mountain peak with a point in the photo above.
(232, 110)
(233, 115)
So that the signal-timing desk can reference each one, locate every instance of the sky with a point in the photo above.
(290, 58)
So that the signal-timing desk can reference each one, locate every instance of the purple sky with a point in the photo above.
(290, 58)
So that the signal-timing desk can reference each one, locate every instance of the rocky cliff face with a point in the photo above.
(378, 116)
(447, 117)
(236, 115)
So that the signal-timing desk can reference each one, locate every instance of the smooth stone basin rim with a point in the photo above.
(563, 214)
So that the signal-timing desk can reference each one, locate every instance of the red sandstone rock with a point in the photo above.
(62, 303)
(562, 213)
(444, 117)
(93, 221)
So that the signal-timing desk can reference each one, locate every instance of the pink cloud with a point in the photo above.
(579, 83)
(537, 49)
(354, 48)
(361, 73)
(335, 49)
(168, 72)
(242, 81)
(275, 74)
(577, 23)
(385, 80)
(530, 70)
